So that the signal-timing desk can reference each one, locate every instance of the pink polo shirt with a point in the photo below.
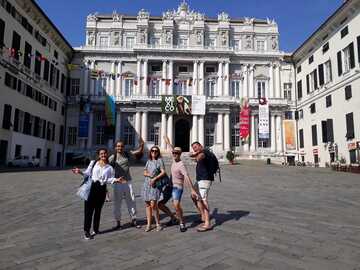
(178, 173)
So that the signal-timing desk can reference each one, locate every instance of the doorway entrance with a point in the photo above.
(3, 151)
(182, 134)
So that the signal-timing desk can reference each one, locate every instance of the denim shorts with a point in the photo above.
(177, 193)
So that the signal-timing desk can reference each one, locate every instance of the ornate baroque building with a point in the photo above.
(140, 58)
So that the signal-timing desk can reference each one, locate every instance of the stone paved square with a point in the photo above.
(265, 217)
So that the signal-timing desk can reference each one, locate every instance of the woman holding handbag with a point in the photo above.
(154, 171)
(100, 173)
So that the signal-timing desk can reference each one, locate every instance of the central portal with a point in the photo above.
(182, 134)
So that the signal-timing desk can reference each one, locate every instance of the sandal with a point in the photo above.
(204, 229)
(148, 228)
(159, 227)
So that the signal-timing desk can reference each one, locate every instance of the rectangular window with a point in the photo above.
(314, 135)
(299, 88)
(235, 89)
(6, 124)
(348, 92)
(129, 42)
(17, 150)
(301, 138)
(236, 45)
(287, 91)
(128, 135)
(330, 130)
(183, 69)
(63, 83)
(209, 136)
(298, 70)
(311, 59)
(339, 63)
(210, 88)
(36, 126)
(313, 81)
(328, 101)
(2, 33)
(209, 69)
(46, 70)
(358, 47)
(37, 63)
(261, 89)
(211, 43)
(346, 59)
(328, 72)
(324, 131)
(74, 87)
(27, 55)
(352, 154)
(10, 81)
(260, 45)
(321, 74)
(183, 42)
(155, 68)
(104, 41)
(27, 124)
(129, 85)
(344, 31)
(301, 114)
(16, 42)
(72, 136)
(325, 47)
(154, 135)
(288, 115)
(155, 87)
(312, 108)
(350, 134)
(61, 135)
(235, 137)
(52, 74)
(57, 76)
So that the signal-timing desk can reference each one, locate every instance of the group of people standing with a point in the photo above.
(157, 189)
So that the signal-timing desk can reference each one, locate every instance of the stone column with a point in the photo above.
(138, 76)
(245, 82)
(137, 125)
(195, 78)
(252, 134)
(251, 82)
(201, 79)
(273, 134)
(90, 132)
(194, 129)
(279, 145)
(163, 131)
(170, 123)
(201, 129)
(85, 90)
(112, 80)
(118, 126)
(119, 80)
(92, 82)
(144, 126)
(163, 81)
(144, 80)
(226, 79)
(171, 77)
(271, 81)
(227, 132)
(219, 132)
(220, 80)
(277, 81)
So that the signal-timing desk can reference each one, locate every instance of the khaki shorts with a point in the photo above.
(203, 186)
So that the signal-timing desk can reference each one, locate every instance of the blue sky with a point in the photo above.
(296, 19)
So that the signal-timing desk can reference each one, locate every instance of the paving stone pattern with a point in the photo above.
(264, 217)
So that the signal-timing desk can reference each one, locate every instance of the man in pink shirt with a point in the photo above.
(179, 176)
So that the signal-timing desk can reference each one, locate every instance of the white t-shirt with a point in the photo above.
(105, 174)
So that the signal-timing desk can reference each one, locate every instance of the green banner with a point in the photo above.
(174, 104)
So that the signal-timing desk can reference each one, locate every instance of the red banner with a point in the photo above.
(244, 120)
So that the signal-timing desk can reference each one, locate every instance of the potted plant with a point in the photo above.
(230, 157)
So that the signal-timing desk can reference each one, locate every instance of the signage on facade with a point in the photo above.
(198, 105)
(83, 125)
(352, 146)
(289, 128)
(264, 132)
(173, 104)
(244, 119)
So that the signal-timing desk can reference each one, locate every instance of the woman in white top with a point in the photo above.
(101, 173)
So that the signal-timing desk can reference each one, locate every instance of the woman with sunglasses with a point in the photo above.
(153, 172)
(120, 163)
(179, 176)
(101, 173)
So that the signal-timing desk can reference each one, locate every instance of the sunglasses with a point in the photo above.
(176, 153)
(154, 151)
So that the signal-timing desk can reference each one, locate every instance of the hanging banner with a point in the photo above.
(174, 104)
(198, 105)
(83, 125)
(264, 132)
(244, 119)
(110, 109)
(289, 128)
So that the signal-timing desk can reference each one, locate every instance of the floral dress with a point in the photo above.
(153, 167)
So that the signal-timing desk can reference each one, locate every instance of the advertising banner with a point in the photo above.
(244, 119)
(264, 132)
(173, 104)
(83, 125)
(289, 128)
(198, 105)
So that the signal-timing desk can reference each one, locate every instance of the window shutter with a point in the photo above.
(296, 115)
(44, 129)
(321, 74)
(314, 135)
(307, 84)
(315, 79)
(339, 63)
(36, 126)
(348, 92)
(352, 56)
(7, 117)
(301, 138)
(330, 130)
(16, 120)
(324, 131)
(299, 86)
(349, 126)
(358, 47)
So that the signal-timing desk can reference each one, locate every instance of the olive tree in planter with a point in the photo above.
(230, 156)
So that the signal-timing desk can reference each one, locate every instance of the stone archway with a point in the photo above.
(182, 134)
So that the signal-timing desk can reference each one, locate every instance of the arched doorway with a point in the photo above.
(182, 134)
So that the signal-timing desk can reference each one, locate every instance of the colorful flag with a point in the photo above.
(110, 110)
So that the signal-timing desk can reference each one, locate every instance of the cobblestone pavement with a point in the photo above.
(265, 217)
